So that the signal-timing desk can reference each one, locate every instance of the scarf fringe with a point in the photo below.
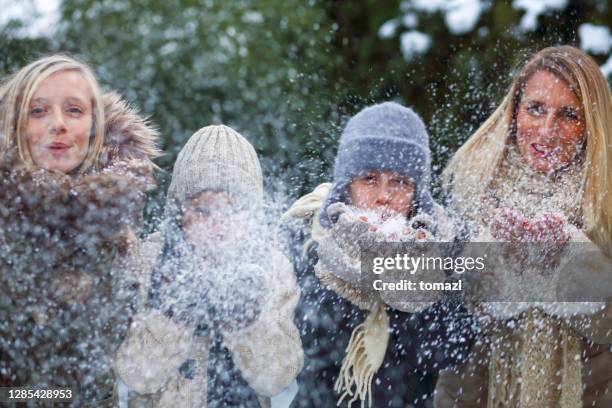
(362, 360)
(368, 343)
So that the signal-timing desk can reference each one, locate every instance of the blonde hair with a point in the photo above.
(17, 91)
(472, 169)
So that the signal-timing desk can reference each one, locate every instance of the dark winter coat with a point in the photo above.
(419, 344)
(59, 232)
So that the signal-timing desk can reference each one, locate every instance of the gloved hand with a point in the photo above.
(334, 260)
(534, 246)
(350, 229)
(33, 202)
(510, 225)
(202, 294)
(238, 302)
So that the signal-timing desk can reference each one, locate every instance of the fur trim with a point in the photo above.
(107, 202)
(21, 189)
(89, 209)
(127, 136)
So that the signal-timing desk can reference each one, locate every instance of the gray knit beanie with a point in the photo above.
(382, 137)
(217, 158)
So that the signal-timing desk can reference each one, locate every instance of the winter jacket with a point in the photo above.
(419, 345)
(60, 232)
(166, 364)
(587, 335)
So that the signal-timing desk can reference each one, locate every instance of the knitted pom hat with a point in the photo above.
(217, 158)
(382, 137)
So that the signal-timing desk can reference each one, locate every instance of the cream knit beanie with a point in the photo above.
(217, 158)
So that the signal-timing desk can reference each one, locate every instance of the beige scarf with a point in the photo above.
(537, 363)
(364, 356)
(539, 366)
(368, 343)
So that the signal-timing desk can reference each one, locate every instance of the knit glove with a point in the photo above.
(549, 232)
(354, 226)
(240, 306)
(510, 225)
(340, 251)
(350, 230)
(333, 259)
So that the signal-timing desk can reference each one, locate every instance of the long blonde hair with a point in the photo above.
(472, 169)
(17, 91)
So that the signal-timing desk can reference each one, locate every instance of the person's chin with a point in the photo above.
(56, 165)
(538, 164)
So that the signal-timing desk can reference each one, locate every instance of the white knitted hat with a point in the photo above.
(217, 158)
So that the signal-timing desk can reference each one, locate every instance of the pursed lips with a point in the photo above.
(58, 147)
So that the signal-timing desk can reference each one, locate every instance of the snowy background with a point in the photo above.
(287, 73)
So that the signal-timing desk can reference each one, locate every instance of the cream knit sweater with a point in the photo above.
(268, 353)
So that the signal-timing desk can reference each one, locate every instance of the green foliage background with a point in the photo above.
(288, 73)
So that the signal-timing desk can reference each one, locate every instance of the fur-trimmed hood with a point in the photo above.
(96, 204)
(127, 135)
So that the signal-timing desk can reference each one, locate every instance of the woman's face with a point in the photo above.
(550, 125)
(59, 123)
(382, 191)
(210, 219)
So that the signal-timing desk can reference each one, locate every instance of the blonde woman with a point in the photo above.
(75, 165)
(543, 157)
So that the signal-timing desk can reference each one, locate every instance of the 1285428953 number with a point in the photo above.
(14, 394)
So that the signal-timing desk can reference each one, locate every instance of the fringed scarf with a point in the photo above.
(364, 356)
(539, 366)
(536, 363)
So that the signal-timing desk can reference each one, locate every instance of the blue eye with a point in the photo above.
(74, 111)
(203, 211)
(37, 111)
(536, 109)
(571, 114)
